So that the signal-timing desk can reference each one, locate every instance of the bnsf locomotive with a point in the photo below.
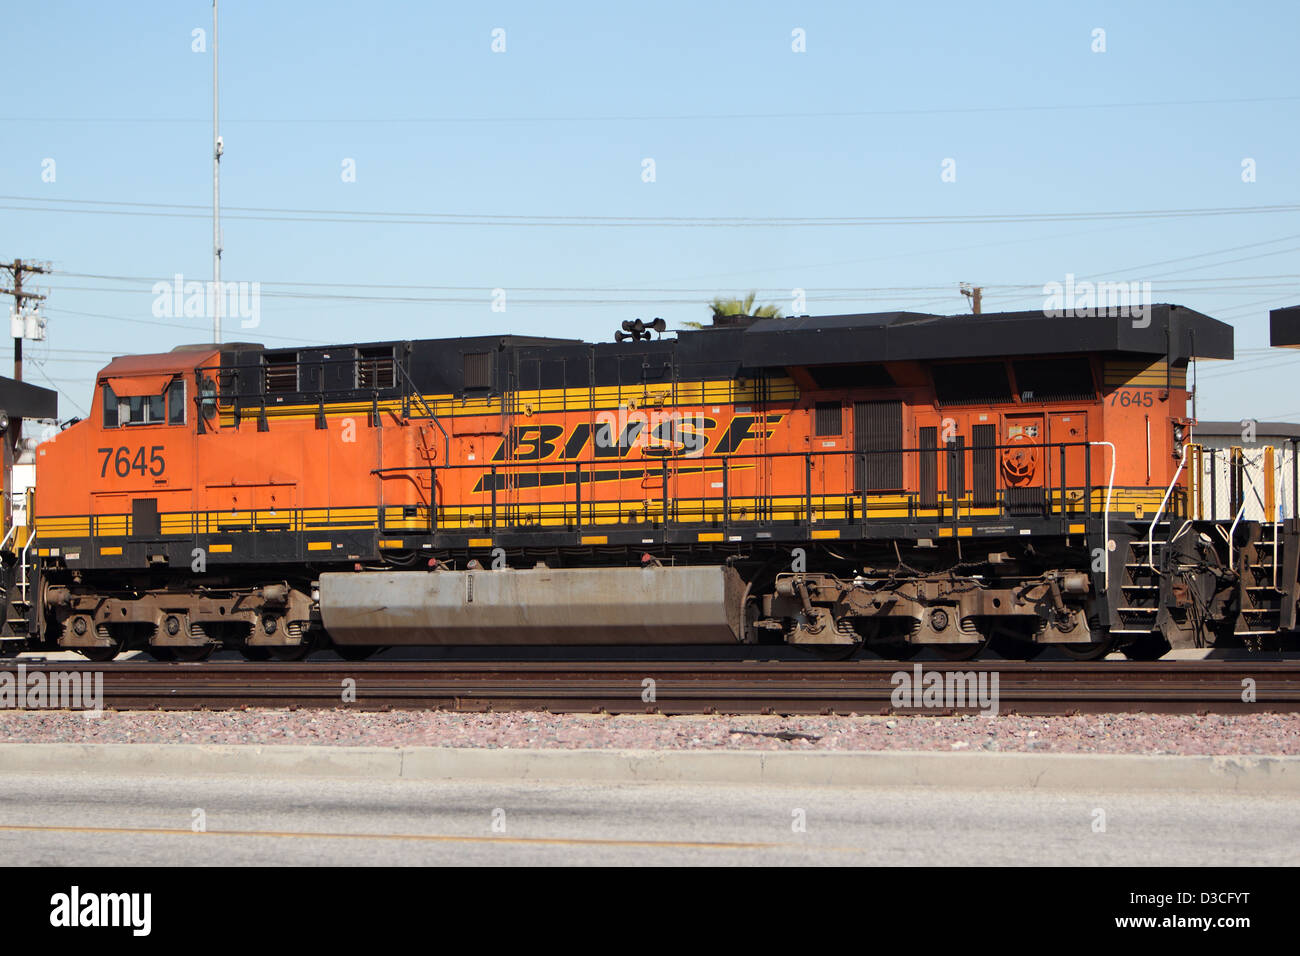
(894, 480)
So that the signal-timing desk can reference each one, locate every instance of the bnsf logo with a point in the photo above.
(618, 434)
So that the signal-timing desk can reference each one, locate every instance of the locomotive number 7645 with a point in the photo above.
(124, 462)
(1128, 397)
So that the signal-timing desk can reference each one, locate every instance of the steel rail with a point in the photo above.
(685, 687)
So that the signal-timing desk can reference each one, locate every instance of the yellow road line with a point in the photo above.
(423, 837)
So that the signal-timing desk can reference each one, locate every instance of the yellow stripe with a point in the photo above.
(711, 392)
(595, 539)
(1141, 374)
(319, 545)
(113, 550)
(558, 514)
(391, 543)
(710, 536)
(965, 532)
(220, 548)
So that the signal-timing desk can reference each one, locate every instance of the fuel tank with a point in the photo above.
(655, 605)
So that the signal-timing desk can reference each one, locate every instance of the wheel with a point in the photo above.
(100, 655)
(897, 650)
(291, 652)
(1011, 640)
(1016, 648)
(959, 652)
(162, 653)
(1149, 647)
(192, 655)
(1087, 652)
(255, 653)
(355, 653)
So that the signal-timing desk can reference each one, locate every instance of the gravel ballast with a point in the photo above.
(1263, 734)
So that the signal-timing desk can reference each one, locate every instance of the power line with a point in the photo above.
(630, 290)
(659, 117)
(40, 368)
(176, 326)
(633, 302)
(1206, 255)
(275, 214)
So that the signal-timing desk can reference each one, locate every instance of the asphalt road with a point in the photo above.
(87, 820)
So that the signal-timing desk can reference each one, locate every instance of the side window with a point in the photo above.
(143, 409)
(375, 368)
(281, 371)
(110, 407)
(176, 402)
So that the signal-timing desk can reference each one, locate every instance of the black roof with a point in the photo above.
(1284, 326)
(24, 400)
(899, 336)
(737, 347)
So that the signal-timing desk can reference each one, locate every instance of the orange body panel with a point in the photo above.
(538, 468)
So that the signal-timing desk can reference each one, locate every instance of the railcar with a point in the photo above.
(895, 480)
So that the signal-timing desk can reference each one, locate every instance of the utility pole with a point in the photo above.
(17, 269)
(974, 293)
(217, 150)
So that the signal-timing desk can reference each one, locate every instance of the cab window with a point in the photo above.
(176, 402)
(140, 410)
(125, 410)
(110, 407)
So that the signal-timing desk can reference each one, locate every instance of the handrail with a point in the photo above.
(1273, 519)
(1151, 530)
(1110, 484)
(446, 441)
(1233, 530)
(398, 369)
(739, 456)
(22, 585)
(1276, 516)
(536, 494)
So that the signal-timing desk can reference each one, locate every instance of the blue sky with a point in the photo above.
(559, 125)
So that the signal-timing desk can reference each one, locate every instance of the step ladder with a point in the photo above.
(1261, 598)
(1140, 590)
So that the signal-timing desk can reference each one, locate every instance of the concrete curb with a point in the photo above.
(1070, 772)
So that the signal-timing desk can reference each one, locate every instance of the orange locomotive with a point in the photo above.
(894, 479)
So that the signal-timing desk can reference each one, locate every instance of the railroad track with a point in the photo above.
(679, 687)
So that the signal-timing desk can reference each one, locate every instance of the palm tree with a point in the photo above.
(723, 307)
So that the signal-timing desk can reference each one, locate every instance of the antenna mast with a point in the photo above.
(217, 297)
